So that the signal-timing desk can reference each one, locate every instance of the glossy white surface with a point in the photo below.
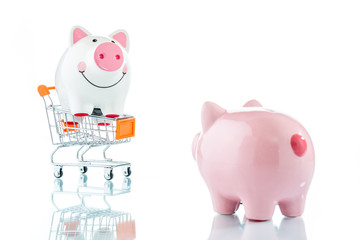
(300, 58)
(229, 227)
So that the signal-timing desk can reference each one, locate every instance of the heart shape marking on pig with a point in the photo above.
(82, 73)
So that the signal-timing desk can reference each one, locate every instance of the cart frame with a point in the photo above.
(86, 132)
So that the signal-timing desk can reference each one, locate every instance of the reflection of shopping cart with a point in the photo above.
(86, 132)
(83, 222)
(79, 222)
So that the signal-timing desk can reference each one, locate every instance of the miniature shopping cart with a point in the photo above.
(86, 132)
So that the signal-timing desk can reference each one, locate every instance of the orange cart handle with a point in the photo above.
(44, 90)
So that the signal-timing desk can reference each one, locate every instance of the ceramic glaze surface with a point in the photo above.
(259, 158)
(94, 73)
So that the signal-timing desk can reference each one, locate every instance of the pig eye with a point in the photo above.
(94, 40)
(113, 41)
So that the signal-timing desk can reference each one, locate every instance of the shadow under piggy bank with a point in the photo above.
(227, 227)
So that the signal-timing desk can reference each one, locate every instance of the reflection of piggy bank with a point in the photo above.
(229, 227)
(257, 157)
(94, 73)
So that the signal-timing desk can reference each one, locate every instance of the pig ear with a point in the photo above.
(252, 103)
(209, 114)
(78, 33)
(122, 37)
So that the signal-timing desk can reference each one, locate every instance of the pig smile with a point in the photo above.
(82, 73)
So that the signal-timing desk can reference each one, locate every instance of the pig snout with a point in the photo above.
(194, 145)
(108, 56)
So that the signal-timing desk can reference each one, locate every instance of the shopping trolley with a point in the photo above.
(84, 222)
(86, 132)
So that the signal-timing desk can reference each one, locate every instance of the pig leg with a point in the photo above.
(112, 109)
(224, 206)
(81, 109)
(259, 208)
(293, 207)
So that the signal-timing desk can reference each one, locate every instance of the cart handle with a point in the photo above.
(44, 90)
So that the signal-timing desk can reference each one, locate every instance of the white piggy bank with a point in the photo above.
(94, 73)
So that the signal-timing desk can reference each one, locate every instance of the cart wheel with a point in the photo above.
(83, 169)
(108, 174)
(58, 173)
(83, 180)
(58, 185)
(126, 183)
(127, 172)
(108, 187)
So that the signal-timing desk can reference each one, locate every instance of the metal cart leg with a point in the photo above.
(104, 153)
(53, 153)
(58, 172)
(83, 153)
(78, 152)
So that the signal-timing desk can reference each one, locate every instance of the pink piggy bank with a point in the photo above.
(255, 157)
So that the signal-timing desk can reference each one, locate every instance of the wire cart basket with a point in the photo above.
(86, 132)
(84, 222)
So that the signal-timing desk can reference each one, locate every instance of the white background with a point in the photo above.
(298, 57)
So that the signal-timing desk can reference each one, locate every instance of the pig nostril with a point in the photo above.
(101, 56)
(117, 57)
